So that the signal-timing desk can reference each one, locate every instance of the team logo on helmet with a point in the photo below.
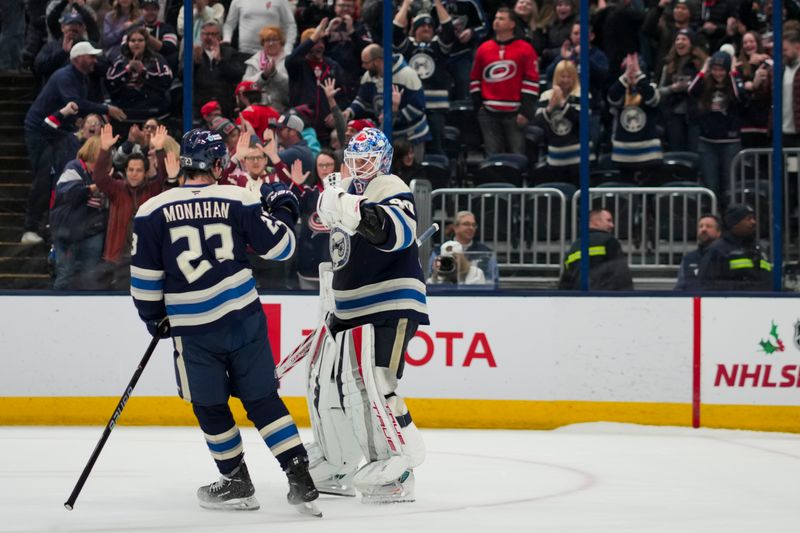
(339, 246)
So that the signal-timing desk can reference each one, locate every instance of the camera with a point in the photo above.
(447, 264)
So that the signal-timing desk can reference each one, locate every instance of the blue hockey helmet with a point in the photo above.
(368, 153)
(201, 148)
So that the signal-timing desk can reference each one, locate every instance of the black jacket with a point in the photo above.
(736, 264)
(689, 271)
(608, 265)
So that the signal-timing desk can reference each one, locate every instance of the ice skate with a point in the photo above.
(233, 492)
(302, 491)
(398, 491)
(337, 485)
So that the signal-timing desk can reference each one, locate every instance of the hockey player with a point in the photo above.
(188, 265)
(379, 300)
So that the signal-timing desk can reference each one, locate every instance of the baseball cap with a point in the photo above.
(222, 125)
(71, 17)
(246, 87)
(83, 48)
(451, 247)
(210, 107)
(291, 121)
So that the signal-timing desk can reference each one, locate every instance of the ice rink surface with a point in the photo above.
(588, 477)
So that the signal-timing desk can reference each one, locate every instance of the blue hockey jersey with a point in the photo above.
(189, 258)
(370, 282)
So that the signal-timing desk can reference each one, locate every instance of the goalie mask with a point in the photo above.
(367, 154)
(200, 149)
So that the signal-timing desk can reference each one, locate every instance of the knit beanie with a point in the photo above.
(735, 214)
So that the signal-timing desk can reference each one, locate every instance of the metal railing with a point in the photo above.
(526, 227)
(751, 184)
(655, 225)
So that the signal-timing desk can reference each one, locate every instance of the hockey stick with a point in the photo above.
(163, 327)
(301, 350)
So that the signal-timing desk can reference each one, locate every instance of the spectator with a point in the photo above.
(464, 228)
(202, 12)
(505, 97)
(662, 28)
(209, 111)
(791, 79)
(12, 34)
(617, 27)
(528, 13)
(471, 27)
(139, 79)
(559, 114)
(36, 31)
(251, 162)
(46, 141)
(608, 265)
(59, 10)
(308, 68)
(709, 229)
(123, 15)
(217, 69)
(249, 17)
(55, 53)
(229, 132)
(452, 267)
(90, 127)
(272, 54)
(404, 164)
(424, 50)
(162, 38)
(289, 130)
(714, 15)
(736, 261)
(553, 36)
(125, 194)
(408, 99)
(248, 103)
(309, 133)
(754, 66)
(635, 142)
(78, 221)
(271, 77)
(720, 98)
(681, 66)
(313, 236)
(311, 15)
(346, 39)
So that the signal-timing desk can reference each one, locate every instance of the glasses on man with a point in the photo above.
(254, 158)
(209, 34)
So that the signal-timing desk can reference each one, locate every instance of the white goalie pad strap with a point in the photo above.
(336, 450)
(414, 446)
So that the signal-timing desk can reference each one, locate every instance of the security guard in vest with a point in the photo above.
(608, 265)
(736, 262)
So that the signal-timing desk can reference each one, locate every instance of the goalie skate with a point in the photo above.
(398, 491)
(302, 491)
(337, 485)
(233, 492)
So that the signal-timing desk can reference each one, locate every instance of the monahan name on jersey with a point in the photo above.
(189, 259)
(379, 282)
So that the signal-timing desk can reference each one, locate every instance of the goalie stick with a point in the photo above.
(302, 350)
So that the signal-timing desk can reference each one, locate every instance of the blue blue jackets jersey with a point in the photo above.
(372, 283)
(189, 255)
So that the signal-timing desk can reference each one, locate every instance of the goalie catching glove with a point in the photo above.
(337, 208)
(280, 202)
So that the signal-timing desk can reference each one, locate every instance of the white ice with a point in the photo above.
(587, 477)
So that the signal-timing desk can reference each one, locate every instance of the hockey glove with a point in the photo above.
(159, 328)
(276, 196)
(337, 208)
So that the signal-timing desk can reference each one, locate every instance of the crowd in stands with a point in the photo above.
(288, 82)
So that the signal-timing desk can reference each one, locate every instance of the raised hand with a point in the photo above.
(297, 174)
(329, 88)
(397, 96)
(158, 138)
(107, 137)
(242, 146)
(321, 30)
(173, 165)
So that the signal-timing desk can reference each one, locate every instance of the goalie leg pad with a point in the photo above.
(335, 454)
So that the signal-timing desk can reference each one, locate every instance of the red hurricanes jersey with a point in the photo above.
(503, 73)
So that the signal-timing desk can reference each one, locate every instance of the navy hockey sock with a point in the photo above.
(222, 436)
(276, 427)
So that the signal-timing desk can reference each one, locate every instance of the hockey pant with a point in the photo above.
(355, 412)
